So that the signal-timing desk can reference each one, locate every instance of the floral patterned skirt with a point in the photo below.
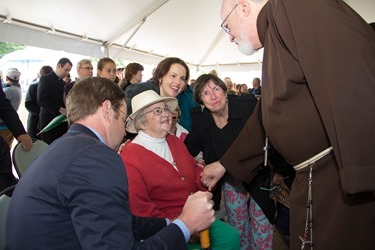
(255, 230)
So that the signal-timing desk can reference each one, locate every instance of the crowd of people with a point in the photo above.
(149, 164)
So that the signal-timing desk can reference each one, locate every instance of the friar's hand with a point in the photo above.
(211, 174)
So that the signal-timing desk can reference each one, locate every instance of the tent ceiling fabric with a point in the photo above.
(144, 30)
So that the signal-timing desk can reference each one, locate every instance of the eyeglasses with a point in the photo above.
(126, 119)
(159, 111)
(156, 111)
(225, 27)
(88, 68)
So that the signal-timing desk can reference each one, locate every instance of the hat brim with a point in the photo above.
(170, 101)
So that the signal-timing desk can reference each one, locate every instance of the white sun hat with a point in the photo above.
(144, 100)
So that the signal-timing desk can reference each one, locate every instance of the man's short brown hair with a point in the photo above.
(88, 94)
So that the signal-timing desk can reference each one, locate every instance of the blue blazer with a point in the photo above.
(75, 196)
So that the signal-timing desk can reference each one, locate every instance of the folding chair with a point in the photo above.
(22, 159)
(4, 204)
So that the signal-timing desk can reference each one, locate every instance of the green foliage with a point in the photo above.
(6, 48)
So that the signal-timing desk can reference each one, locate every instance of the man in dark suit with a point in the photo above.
(50, 97)
(257, 89)
(32, 105)
(75, 194)
(13, 122)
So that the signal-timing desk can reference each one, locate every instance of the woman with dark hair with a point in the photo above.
(169, 79)
(106, 68)
(214, 128)
(133, 74)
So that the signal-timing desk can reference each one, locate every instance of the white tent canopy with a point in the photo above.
(145, 30)
(29, 61)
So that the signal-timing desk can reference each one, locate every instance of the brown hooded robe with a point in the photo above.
(318, 91)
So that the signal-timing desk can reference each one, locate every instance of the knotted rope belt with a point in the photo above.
(313, 159)
(307, 237)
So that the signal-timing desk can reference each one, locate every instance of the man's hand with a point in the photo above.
(198, 213)
(122, 145)
(26, 141)
(211, 174)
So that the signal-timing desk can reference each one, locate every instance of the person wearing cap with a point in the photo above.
(161, 172)
(12, 90)
(75, 194)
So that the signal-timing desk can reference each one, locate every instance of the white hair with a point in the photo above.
(235, 1)
(243, 43)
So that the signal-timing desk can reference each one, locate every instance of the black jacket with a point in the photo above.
(202, 136)
(14, 124)
(213, 142)
(50, 97)
(33, 107)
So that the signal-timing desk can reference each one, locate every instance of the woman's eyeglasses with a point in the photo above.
(156, 111)
(159, 111)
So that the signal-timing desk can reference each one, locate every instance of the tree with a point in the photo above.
(6, 48)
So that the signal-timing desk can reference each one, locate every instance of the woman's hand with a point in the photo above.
(211, 174)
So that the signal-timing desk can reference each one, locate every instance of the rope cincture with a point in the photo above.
(307, 238)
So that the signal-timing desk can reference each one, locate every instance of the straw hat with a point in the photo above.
(144, 100)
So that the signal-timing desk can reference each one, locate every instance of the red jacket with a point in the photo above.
(156, 189)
